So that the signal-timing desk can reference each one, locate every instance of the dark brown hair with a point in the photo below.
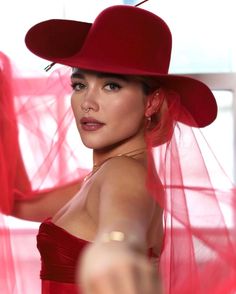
(160, 128)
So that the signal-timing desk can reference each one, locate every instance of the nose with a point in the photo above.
(89, 101)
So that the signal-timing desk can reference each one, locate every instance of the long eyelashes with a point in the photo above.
(76, 86)
(112, 86)
(109, 86)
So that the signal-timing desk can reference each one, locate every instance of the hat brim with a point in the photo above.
(60, 41)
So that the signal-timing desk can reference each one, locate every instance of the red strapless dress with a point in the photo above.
(60, 252)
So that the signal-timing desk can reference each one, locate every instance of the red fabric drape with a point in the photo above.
(35, 154)
(199, 253)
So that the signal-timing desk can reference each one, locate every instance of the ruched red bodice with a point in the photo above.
(59, 252)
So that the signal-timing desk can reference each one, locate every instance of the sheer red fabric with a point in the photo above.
(33, 152)
(9, 148)
(199, 247)
(199, 252)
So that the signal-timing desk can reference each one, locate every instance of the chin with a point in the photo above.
(94, 145)
(102, 145)
(108, 141)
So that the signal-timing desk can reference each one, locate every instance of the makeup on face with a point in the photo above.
(90, 124)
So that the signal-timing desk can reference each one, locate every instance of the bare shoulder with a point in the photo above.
(123, 195)
(126, 170)
(123, 170)
(124, 179)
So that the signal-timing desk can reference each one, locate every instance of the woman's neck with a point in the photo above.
(125, 149)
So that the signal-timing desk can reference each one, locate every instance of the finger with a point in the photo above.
(142, 278)
(103, 283)
(122, 279)
(127, 280)
(150, 280)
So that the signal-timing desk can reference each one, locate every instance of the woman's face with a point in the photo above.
(109, 109)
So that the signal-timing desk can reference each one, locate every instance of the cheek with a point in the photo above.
(75, 106)
(130, 113)
(73, 102)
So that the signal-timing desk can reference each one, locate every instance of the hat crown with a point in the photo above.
(130, 37)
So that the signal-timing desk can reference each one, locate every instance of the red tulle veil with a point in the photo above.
(39, 150)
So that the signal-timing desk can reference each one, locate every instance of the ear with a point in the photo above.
(154, 102)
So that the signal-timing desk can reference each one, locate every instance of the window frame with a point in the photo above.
(227, 82)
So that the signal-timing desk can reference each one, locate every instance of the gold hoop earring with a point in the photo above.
(148, 122)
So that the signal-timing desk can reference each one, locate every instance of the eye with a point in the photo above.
(77, 86)
(112, 86)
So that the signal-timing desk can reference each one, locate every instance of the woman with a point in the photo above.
(109, 237)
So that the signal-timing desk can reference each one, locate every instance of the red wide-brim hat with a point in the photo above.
(125, 40)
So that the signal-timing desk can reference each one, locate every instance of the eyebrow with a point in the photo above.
(81, 75)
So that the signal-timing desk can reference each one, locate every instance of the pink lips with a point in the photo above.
(90, 124)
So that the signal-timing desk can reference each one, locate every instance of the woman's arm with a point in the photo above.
(45, 203)
(117, 261)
